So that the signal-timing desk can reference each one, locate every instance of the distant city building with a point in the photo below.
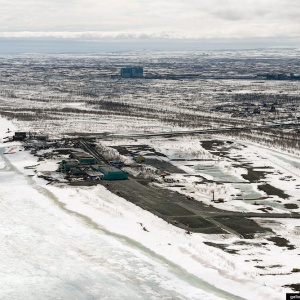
(278, 76)
(135, 72)
(19, 136)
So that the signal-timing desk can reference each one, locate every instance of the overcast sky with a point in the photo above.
(155, 20)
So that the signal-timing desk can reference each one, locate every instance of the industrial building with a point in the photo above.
(76, 171)
(67, 165)
(83, 158)
(19, 136)
(85, 165)
(94, 175)
(135, 72)
(112, 173)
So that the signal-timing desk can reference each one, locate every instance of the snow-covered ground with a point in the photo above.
(57, 244)
(225, 174)
(261, 259)
(63, 242)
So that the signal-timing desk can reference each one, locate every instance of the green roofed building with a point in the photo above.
(67, 165)
(84, 158)
(76, 171)
(112, 173)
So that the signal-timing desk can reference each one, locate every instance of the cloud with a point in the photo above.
(145, 19)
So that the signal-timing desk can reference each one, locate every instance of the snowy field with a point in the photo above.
(76, 242)
(62, 242)
(57, 243)
(77, 94)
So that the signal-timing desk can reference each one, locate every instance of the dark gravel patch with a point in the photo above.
(291, 206)
(271, 190)
(211, 145)
(222, 247)
(163, 165)
(254, 175)
(281, 242)
(137, 150)
(244, 226)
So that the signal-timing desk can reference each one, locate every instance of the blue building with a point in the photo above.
(112, 173)
(135, 72)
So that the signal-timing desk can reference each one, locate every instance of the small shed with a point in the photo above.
(112, 173)
(19, 136)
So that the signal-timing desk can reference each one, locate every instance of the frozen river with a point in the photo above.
(49, 252)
